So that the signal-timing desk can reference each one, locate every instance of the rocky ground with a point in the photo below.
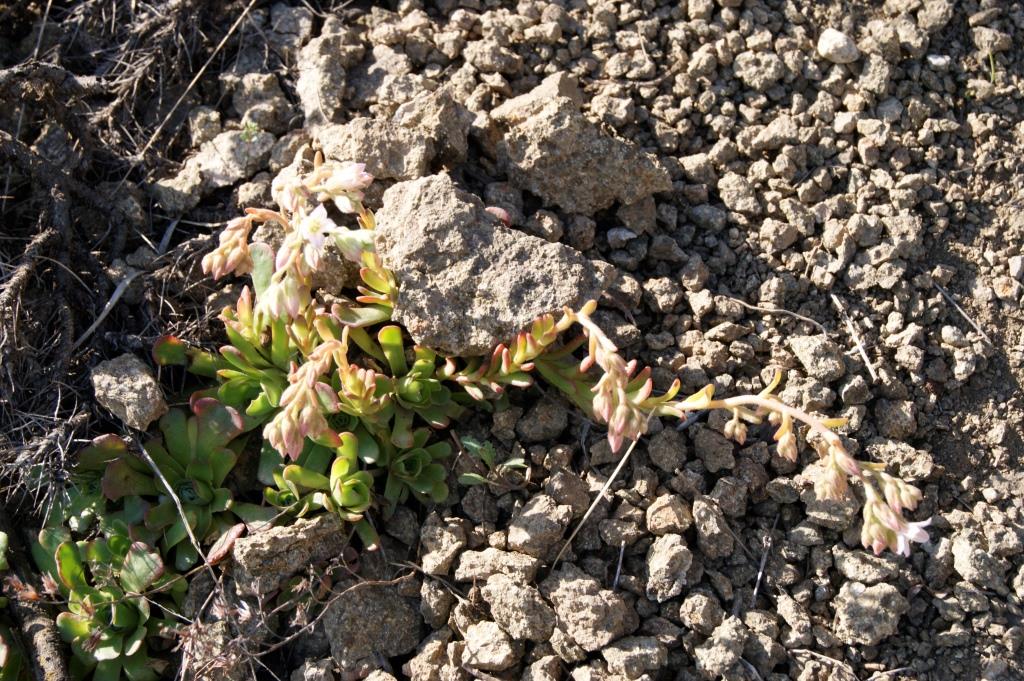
(830, 188)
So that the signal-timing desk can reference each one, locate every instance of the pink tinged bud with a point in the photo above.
(846, 462)
(353, 243)
(645, 391)
(327, 397)
(501, 214)
(787, 446)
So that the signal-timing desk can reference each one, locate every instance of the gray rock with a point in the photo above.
(489, 648)
(203, 124)
(518, 109)
(934, 15)
(867, 615)
(568, 489)
(713, 536)
(547, 668)
(796, 617)
(714, 449)
(519, 609)
(322, 670)
(668, 513)
(668, 561)
(431, 659)
(593, 617)
(266, 558)
(662, 294)
(383, 65)
(667, 450)
(759, 70)
(441, 541)
(837, 47)
(635, 655)
(322, 67)
(973, 561)
(544, 421)
(480, 565)
(701, 612)
(717, 657)
(738, 194)
(836, 514)
(861, 566)
(390, 151)
(367, 621)
(538, 526)
(228, 158)
(820, 357)
(126, 386)
(490, 57)
(896, 419)
(567, 161)
(259, 100)
(466, 282)
(438, 117)
(436, 603)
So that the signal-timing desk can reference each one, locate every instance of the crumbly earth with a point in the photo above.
(844, 204)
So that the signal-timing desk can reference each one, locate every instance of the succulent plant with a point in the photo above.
(193, 456)
(414, 470)
(110, 584)
(496, 473)
(322, 479)
(12, 656)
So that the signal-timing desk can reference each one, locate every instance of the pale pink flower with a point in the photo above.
(911, 532)
(341, 183)
(308, 239)
(287, 190)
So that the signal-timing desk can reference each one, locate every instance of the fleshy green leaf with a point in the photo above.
(216, 424)
(470, 479)
(142, 566)
(262, 266)
(170, 350)
(361, 316)
(390, 339)
(303, 477)
(100, 452)
(222, 547)
(72, 627)
(70, 566)
(121, 480)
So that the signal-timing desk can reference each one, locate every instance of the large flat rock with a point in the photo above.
(466, 282)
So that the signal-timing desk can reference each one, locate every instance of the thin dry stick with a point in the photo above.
(618, 567)
(836, 664)
(881, 675)
(779, 310)
(600, 496)
(122, 286)
(856, 337)
(188, 89)
(764, 561)
(177, 503)
(963, 313)
(752, 670)
(21, 109)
